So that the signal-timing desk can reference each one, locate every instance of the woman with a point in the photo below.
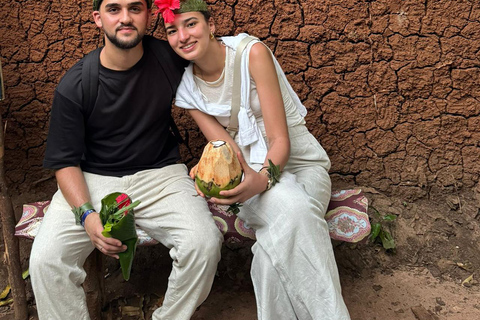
(293, 269)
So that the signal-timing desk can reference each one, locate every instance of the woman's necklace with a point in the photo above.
(198, 72)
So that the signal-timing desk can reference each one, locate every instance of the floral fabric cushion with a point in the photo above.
(346, 217)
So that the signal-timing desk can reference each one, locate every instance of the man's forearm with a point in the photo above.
(73, 186)
(71, 182)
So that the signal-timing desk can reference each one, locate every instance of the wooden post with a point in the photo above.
(94, 284)
(12, 252)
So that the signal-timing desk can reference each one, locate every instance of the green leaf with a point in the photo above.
(126, 257)
(274, 171)
(375, 231)
(106, 230)
(120, 212)
(234, 208)
(109, 206)
(192, 6)
(122, 227)
(387, 240)
(390, 217)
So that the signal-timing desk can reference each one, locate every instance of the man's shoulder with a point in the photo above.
(153, 40)
(153, 43)
(162, 47)
(72, 78)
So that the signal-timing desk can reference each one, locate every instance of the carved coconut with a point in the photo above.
(218, 169)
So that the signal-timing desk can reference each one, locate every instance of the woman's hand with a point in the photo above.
(193, 173)
(253, 183)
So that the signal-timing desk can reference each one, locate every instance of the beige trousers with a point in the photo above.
(294, 272)
(169, 212)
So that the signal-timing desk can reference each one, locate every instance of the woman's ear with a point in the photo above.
(211, 25)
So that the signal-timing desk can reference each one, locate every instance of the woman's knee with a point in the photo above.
(298, 214)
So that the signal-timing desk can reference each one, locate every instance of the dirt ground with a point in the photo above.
(436, 252)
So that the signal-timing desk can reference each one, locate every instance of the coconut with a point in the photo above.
(218, 169)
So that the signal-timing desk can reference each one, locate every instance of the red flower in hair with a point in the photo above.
(166, 7)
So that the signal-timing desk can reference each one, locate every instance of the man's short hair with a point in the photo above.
(97, 3)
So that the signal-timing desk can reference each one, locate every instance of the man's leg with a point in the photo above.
(58, 254)
(172, 213)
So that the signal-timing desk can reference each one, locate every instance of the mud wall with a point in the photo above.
(392, 87)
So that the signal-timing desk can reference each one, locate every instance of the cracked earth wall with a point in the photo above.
(392, 87)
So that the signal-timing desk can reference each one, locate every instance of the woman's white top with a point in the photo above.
(214, 98)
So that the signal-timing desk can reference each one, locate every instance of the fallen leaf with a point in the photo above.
(6, 302)
(5, 293)
(468, 280)
(465, 266)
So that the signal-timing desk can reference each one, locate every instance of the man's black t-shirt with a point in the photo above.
(128, 128)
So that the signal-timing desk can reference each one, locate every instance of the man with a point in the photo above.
(120, 144)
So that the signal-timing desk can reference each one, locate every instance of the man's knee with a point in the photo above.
(36, 260)
(211, 244)
(41, 257)
(205, 245)
(42, 265)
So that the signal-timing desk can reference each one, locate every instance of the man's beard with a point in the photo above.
(124, 44)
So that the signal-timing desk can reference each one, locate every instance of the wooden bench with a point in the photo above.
(346, 217)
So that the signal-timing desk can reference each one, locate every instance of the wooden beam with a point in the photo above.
(12, 251)
(94, 284)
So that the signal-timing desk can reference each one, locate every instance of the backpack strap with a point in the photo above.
(237, 83)
(90, 72)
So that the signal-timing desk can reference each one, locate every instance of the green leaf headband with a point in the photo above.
(97, 3)
(192, 5)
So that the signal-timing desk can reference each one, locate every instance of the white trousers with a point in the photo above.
(294, 272)
(169, 212)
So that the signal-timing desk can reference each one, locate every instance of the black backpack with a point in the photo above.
(90, 74)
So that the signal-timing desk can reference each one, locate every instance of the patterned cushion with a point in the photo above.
(346, 217)
(31, 218)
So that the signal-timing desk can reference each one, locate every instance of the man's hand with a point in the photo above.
(108, 246)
